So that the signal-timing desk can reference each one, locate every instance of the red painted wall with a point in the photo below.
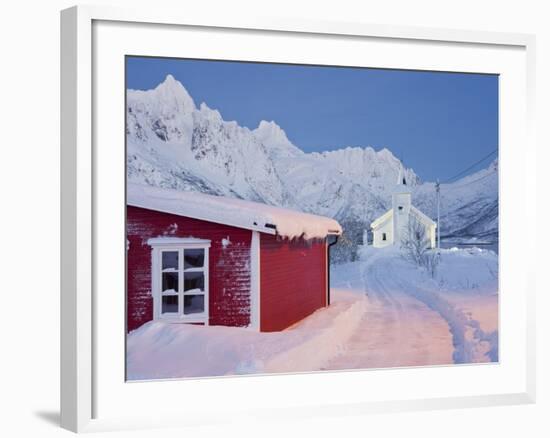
(229, 270)
(293, 282)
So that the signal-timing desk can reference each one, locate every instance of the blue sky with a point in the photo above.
(437, 123)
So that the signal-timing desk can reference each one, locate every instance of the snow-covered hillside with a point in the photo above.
(174, 143)
(469, 207)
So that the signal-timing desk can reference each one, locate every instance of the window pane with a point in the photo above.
(193, 258)
(170, 260)
(193, 304)
(170, 304)
(193, 280)
(170, 281)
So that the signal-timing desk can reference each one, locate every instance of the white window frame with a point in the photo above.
(171, 244)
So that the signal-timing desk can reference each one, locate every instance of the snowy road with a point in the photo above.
(410, 321)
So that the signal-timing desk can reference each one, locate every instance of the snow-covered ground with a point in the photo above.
(414, 319)
(160, 350)
(385, 312)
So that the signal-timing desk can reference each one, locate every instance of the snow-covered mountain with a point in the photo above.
(175, 144)
(469, 206)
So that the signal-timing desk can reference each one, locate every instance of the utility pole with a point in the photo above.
(437, 190)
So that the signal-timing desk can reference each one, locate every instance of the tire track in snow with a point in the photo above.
(467, 335)
(383, 282)
(395, 330)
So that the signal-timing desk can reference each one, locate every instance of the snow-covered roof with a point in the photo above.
(424, 218)
(235, 212)
(389, 214)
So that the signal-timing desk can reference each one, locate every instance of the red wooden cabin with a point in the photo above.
(203, 259)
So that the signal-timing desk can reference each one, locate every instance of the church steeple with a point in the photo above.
(401, 176)
(398, 231)
(401, 204)
(401, 186)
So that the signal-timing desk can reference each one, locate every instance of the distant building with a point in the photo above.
(210, 260)
(396, 224)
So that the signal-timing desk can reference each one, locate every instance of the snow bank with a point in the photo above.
(468, 270)
(235, 212)
(330, 339)
(159, 350)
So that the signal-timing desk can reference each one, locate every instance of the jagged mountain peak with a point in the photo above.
(367, 166)
(163, 113)
(270, 128)
(171, 80)
(274, 138)
(210, 114)
(169, 95)
(173, 91)
(386, 153)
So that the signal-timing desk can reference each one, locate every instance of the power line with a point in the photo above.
(470, 167)
(474, 181)
(438, 188)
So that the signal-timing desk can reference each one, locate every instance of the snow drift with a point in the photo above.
(159, 350)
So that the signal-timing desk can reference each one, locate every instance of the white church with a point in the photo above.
(393, 226)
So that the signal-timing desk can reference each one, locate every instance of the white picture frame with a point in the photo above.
(84, 238)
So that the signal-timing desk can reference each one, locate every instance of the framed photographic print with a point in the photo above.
(268, 216)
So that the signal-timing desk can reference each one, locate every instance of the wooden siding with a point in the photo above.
(229, 267)
(293, 280)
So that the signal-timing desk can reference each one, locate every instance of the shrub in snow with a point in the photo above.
(430, 260)
(416, 247)
(349, 243)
